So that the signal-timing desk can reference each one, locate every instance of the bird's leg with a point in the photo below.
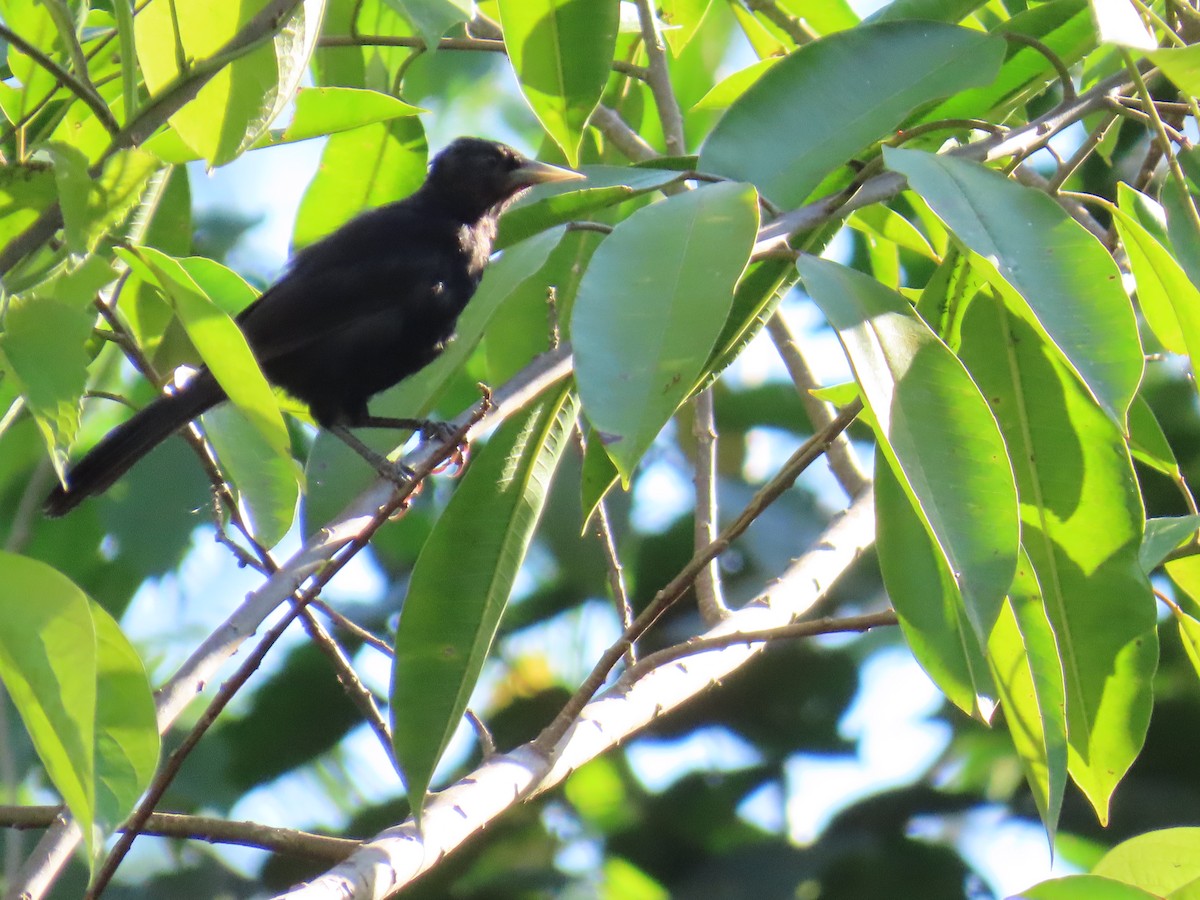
(430, 429)
(397, 473)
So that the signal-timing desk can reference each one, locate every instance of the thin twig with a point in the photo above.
(806, 628)
(1160, 134)
(205, 828)
(1067, 169)
(89, 97)
(795, 28)
(843, 461)
(170, 768)
(624, 138)
(659, 80)
(1060, 67)
(616, 573)
(709, 597)
(353, 628)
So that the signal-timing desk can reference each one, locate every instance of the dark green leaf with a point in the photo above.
(837, 107)
(441, 649)
(650, 309)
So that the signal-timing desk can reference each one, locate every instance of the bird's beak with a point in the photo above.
(532, 172)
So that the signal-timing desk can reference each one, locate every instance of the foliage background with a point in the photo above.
(712, 800)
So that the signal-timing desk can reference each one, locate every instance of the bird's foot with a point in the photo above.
(439, 432)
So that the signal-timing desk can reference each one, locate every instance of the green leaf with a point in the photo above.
(1169, 300)
(440, 650)
(1084, 887)
(267, 482)
(1118, 22)
(525, 221)
(43, 347)
(934, 426)
(219, 342)
(1162, 536)
(1184, 238)
(1052, 264)
(650, 308)
(319, 111)
(1028, 672)
(127, 741)
(1189, 636)
(597, 477)
(1081, 524)
(361, 169)
(681, 19)
(1147, 442)
(1159, 861)
(240, 101)
(726, 91)
(1164, 291)
(837, 107)
(92, 208)
(433, 18)
(48, 665)
(561, 52)
(927, 601)
(888, 225)
(1181, 65)
(25, 191)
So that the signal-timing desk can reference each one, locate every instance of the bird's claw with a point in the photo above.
(440, 432)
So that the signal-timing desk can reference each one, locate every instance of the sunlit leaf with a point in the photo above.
(1159, 861)
(561, 52)
(1051, 263)
(1081, 524)
(935, 427)
(1028, 671)
(48, 666)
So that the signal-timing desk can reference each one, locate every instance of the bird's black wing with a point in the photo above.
(383, 265)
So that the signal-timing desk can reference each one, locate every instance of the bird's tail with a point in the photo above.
(130, 441)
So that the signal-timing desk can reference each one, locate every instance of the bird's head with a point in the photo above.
(475, 176)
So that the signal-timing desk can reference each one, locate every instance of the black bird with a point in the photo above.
(355, 313)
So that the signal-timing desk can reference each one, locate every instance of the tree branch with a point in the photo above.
(396, 856)
(205, 828)
(842, 460)
(659, 79)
